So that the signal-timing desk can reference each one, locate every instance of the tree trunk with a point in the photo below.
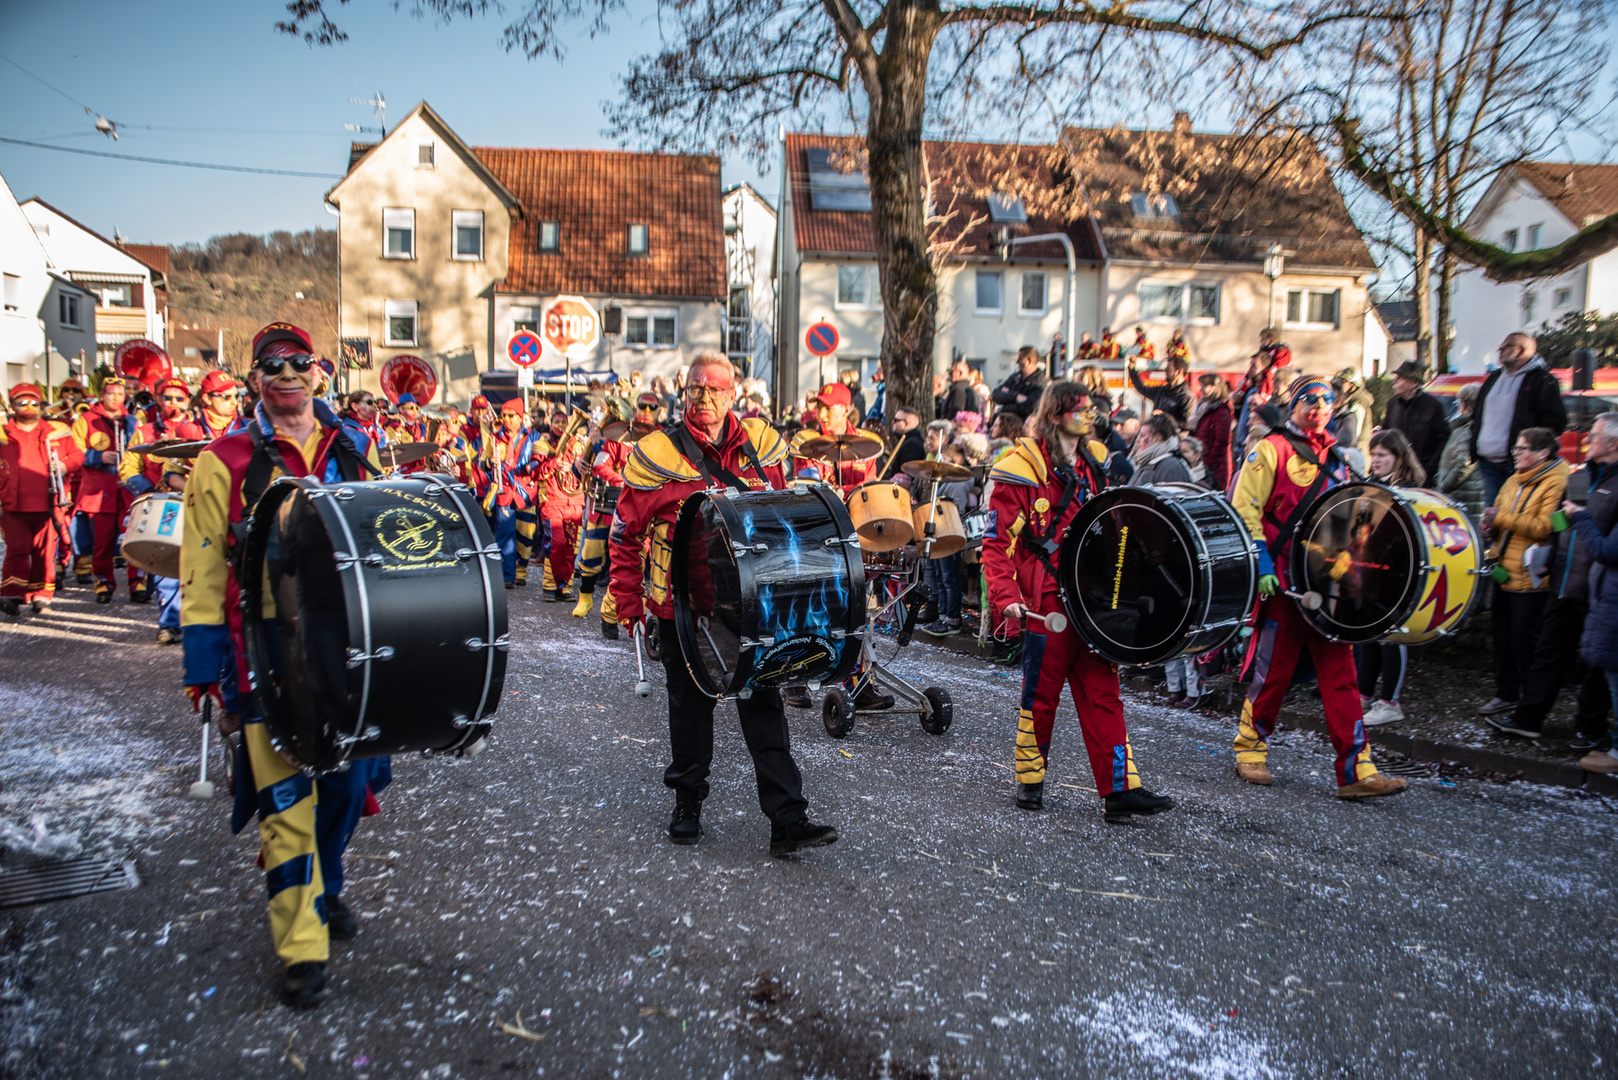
(899, 207)
(1424, 298)
(1441, 327)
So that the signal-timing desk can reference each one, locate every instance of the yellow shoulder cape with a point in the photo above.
(1024, 462)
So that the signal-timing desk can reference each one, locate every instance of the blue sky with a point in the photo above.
(268, 101)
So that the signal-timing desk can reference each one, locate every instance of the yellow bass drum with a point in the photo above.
(1400, 565)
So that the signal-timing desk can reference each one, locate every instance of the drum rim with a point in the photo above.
(453, 488)
(1414, 532)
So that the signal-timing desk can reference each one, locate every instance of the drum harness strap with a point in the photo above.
(1302, 448)
(351, 465)
(1045, 546)
(699, 456)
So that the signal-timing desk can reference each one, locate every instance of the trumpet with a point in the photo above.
(60, 493)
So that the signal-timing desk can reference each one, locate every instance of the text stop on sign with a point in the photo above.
(572, 326)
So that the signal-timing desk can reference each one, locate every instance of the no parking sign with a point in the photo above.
(821, 339)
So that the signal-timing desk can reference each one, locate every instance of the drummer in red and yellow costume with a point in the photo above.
(505, 486)
(1143, 349)
(607, 460)
(408, 427)
(563, 476)
(1178, 349)
(37, 460)
(219, 405)
(1281, 477)
(1108, 348)
(103, 432)
(666, 468)
(142, 473)
(832, 407)
(1038, 489)
(304, 825)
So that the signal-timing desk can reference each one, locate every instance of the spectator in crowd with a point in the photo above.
(940, 433)
(877, 414)
(1120, 438)
(1392, 462)
(1180, 672)
(1520, 393)
(1007, 425)
(1598, 643)
(975, 445)
(1519, 523)
(1174, 397)
(943, 575)
(940, 387)
(1556, 651)
(911, 446)
(1351, 419)
(966, 421)
(984, 396)
(1212, 423)
(1095, 381)
(1258, 387)
(958, 396)
(1458, 474)
(1418, 414)
(1192, 452)
(1155, 453)
(1020, 392)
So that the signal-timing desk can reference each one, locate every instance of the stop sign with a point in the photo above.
(571, 326)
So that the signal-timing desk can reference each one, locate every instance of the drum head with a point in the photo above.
(1361, 548)
(1129, 566)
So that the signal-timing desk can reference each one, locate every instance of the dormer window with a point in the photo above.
(550, 236)
(640, 239)
(830, 188)
(1006, 208)
(1153, 206)
(426, 153)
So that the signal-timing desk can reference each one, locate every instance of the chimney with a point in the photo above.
(1182, 123)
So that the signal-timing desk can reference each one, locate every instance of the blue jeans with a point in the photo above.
(944, 584)
(503, 523)
(1494, 475)
(1612, 687)
(168, 599)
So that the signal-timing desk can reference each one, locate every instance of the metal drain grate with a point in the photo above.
(26, 885)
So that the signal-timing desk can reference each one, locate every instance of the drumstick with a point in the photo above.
(1055, 622)
(203, 788)
(1309, 601)
(642, 688)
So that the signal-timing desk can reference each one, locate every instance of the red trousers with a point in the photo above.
(564, 545)
(107, 528)
(1049, 661)
(1283, 634)
(30, 567)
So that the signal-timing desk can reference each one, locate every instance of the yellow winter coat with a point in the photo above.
(1523, 509)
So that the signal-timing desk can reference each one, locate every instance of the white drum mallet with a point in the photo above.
(1055, 622)
(642, 688)
(1309, 601)
(203, 788)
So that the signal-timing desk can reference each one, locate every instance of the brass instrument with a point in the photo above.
(61, 494)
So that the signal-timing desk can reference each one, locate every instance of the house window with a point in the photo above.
(1530, 308)
(13, 294)
(468, 225)
(640, 239)
(426, 154)
(1564, 297)
(1204, 304)
(1160, 301)
(663, 331)
(738, 322)
(1153, 206)
(1313, 309)
(399, 232)
(1033, 293)
(1006, 208)
(1509, 240)
(400, 316)
(67, 310)
(855, 286)
(550, 236)
(655, 329)
(988, 292)
(191, 350)
(1534, 232)
(117, 296)
(531, 325)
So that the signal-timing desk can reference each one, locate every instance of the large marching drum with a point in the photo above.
(768, 589)
(1150, 573)
(1394, 564)
(386, 628)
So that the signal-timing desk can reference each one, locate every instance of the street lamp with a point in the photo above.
(1274, 263)
(1005, 241)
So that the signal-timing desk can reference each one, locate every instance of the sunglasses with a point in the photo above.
(274, 365)
(172, 399)
(1318, 399)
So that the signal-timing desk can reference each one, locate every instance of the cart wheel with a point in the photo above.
(837, 713)
(942, 711)
(227, 750)
(653, 641)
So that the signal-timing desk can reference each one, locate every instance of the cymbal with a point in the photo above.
(849, 447)
(614, 430)
(405, 453)
(936, 470)
(171, 448)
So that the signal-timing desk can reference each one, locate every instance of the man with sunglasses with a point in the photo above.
(407, 427)
(665, 469)
(31, 450)
(147, 472)
(103, 432)
(304, 825)
(1283, 475)
(220, 398)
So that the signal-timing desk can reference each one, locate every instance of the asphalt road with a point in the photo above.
(1459, 930)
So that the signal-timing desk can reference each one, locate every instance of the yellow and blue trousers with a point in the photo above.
(1050, 661)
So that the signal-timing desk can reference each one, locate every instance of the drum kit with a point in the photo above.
(156, 527)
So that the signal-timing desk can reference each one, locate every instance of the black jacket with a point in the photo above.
(911, 448)
(958, 398)
(1570, 560)
(1425, 424)
(1177, 400)
(1539, 404)
(1029, 385)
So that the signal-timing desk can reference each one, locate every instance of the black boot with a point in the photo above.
(9, 605)
(686, 825)
(785, 839)
(340, 922)
(609, 630)
(139, 595)
(1031, 796)
(872, 698)
(1123, 805)
(798, 697)
(305, 985)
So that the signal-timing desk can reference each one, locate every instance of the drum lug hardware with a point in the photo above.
(370, 734)
(833, 541)
(342, 558)
(467, 553)
(343, 493)
(356, 657)
(743, 549)
(502, 643)
(462, 722)
(839, 634)
(433, 489)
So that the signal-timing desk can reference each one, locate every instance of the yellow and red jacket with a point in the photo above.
(1027, 492)
(25, 465)
(1274, 479)
(101, 436)
(141, 473)
(657, 480)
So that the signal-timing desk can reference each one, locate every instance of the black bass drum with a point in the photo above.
(386, 618)
(769, 589)
(1150, 573)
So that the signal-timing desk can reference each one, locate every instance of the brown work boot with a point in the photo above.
(1255, 772)
(1371, 786)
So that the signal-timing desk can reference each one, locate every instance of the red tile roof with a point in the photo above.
(596, 195)
(1580, 192)
(155, 256)
(964, 175)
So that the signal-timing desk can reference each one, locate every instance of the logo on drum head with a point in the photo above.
(794, 662)
(411, 536)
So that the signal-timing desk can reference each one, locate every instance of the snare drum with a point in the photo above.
(881, 514)
(949, 535)
(155, 532)
(1390, 564)
(383, 628)
(1150, 573)
(603, 497)
(976, 524)
(768, 589)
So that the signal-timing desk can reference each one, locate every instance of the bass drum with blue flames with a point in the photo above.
(769, 589)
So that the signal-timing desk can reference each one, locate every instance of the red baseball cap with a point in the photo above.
(280, 331)
(172, 383)
(217, 382)
(479, 402)
(25, 389)
(513, 405)
(835, 393)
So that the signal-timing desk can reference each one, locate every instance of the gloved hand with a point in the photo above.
(1268, 585)
(633, 624)
(196, 694)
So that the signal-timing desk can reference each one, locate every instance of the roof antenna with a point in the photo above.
(378, 103)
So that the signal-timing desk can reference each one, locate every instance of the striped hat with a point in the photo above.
(1310, 384)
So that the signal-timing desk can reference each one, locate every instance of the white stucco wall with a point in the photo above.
(23, 261)
(750, 232)
(76, 252)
